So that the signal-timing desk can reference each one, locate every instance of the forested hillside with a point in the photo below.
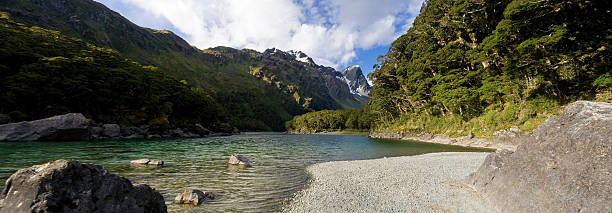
(46, 73)
(260, 91)
(479, 66)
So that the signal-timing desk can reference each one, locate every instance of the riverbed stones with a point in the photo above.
(68, 127)
(239, 160)
(194, 197)
(563, 166)
(69, 186)
(147, 162)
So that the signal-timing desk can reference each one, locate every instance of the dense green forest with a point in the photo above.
(356, 120)
(482, 66)
(45, 73)
(259, 91)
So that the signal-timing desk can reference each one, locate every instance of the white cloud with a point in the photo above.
(330, 31)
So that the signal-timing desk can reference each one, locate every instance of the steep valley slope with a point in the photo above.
(260, 91)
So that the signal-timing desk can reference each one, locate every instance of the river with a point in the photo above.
(201, 163)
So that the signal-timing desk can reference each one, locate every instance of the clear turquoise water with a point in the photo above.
(202, 163)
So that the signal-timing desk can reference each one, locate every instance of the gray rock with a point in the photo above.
(194, 197)
(111, 130)
(563, 166)
(132, 132)
(239, 160)
(69, 186)
(200, 130)
(68, 127)
(147, 162)
(177, 133)
(95, 132)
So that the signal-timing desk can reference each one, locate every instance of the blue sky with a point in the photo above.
(336, 33)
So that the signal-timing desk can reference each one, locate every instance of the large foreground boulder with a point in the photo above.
(69, 186)
(68, 127)
(564, 166)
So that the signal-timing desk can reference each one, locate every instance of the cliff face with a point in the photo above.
(357, 81)
(562, 167)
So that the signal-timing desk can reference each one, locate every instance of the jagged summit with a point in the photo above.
(291, 54)
(356, 80)
(349, 87)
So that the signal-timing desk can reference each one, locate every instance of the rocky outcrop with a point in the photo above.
(239, 160)
(564, 166)
(194, 197)
(68, 127)
(356, 80)
(69, 186)
(76, 127)
(147, 162)
(506, 139)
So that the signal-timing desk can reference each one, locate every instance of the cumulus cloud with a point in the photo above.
(330, 31)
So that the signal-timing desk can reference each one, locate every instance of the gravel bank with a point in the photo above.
(424, 183)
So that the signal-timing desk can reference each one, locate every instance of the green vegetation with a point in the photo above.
(476, 66)
(262, 100)
(352, 121)
(45, 73)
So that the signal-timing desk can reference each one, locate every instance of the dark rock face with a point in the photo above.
(68, 127)
(69, 186)
(564, 166)
(356, 80)
(111, 130)
(75, 127)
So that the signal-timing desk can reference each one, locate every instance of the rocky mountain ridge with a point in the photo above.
(348, 87)
(260, 91)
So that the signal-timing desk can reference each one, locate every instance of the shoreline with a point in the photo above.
(428, 182)
(504, 140)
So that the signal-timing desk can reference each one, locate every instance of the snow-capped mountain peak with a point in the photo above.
(356, 80)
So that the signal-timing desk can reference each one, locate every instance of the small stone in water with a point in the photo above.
(147, 162)
(194, 197)
(239, 160)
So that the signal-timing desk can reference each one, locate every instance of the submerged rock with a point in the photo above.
(69, 186)
(194, 197)
(68, 127)
(147, 162)
(239, 160)
(564, 166)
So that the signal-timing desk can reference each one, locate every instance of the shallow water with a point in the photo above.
(202, 163)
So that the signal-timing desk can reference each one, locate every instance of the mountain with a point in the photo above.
(338, 85)
(45, 73)
(476, 67)
(260, 91)
(356, 80)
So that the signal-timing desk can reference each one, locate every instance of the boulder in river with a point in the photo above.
(239, 160)
(147, 162)
(68, 127)
(194, 197)
(563, 166)
(69, 186)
